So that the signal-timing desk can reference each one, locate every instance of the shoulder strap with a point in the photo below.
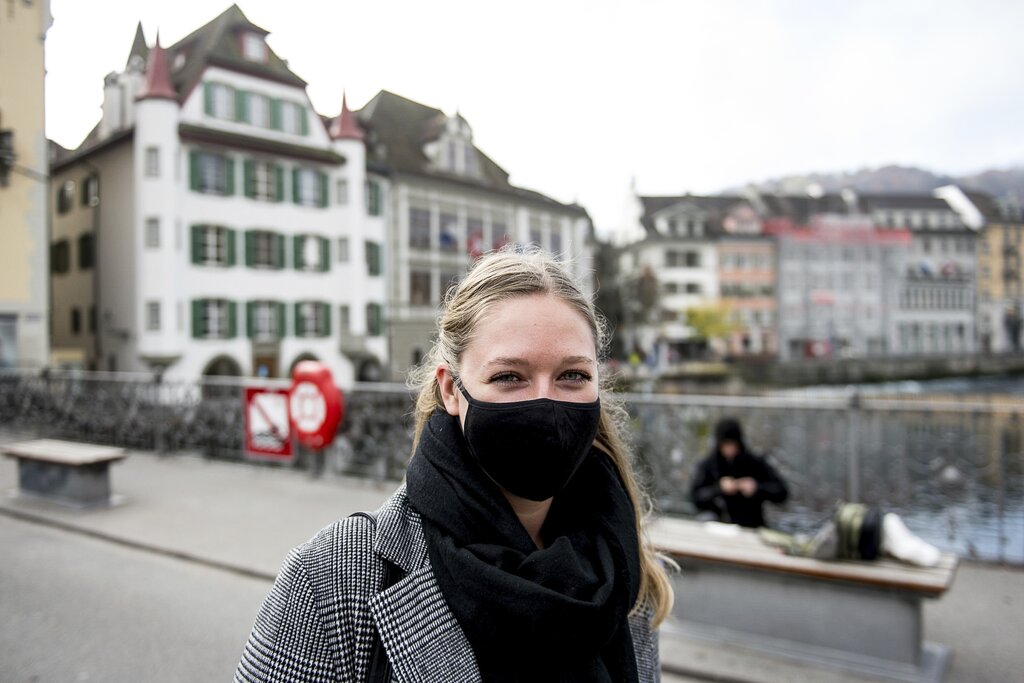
(380, 667)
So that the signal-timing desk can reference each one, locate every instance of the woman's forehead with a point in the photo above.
(532, 326)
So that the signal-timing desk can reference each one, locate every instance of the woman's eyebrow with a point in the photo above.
(508, 360)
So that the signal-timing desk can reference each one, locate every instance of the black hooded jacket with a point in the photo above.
(738, 509)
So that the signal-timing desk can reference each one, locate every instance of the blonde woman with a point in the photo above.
(515, 549)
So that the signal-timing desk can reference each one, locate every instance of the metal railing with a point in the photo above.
(953, 468)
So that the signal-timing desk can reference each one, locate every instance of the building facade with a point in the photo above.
(1000, 288)
(24, 278)
(230, 227)
(448, 204)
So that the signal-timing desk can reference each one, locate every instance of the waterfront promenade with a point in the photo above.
(165, 585)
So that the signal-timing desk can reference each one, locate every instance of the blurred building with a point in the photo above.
(695, 252)
(448, 204)
(213, 224)
(1000, 290)
(24, 291)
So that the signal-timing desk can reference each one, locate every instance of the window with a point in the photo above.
(535, 234)
(419, 288)
(448, 280)
(152, 162)
(264, 249)
(448, 237)
(60, 256)
(254, 48)
(309, 187)
(692, 259)
(264, 320)
(86, 251)
(419, 228)
(91, 191)
(290, 117)
(344, 319)
(212, 173)
(556, 241)
(501, 236)
(213, 245)
(257, 109)
(76, 321)
(219, 101)
(475, 246)
(312, 319)
(692, 288)
(263, 181)
(342, 189)
(213, 319)
(372, 192)
(92, 318)
(374, 320)
(311, 253)
(152, 233)
(373, 260)
(153, 316)
(342, 250)
(65, 197)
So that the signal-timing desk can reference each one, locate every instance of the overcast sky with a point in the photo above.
(575, 98)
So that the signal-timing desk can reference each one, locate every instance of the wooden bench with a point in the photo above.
(66, 472)
(862, 617)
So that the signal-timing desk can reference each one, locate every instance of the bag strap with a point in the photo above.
(380, 666)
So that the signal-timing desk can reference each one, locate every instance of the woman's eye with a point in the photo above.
(576, 376)
(505, 378)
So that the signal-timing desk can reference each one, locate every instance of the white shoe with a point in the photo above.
(901, 543)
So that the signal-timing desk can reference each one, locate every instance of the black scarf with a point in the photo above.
(552, 614)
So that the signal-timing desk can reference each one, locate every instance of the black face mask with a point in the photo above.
(530, 448)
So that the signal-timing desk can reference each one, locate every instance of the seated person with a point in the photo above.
(733, 483)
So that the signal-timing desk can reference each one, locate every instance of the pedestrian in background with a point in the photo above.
(732, 483)
(515, 550)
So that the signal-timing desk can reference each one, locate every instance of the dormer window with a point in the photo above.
(254, 47)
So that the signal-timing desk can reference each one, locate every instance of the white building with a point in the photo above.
(232, 230)
(448, 204)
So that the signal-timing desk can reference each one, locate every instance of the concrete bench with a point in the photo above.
(735, 590)
(66, 472)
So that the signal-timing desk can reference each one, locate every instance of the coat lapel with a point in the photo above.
(423, 640)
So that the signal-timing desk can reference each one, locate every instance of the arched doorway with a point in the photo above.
(298, 359)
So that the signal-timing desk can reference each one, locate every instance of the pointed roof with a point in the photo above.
(139, 46)
(218, 43)
(345, 127)
(158, 78)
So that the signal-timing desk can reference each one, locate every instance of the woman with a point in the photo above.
(514, 551)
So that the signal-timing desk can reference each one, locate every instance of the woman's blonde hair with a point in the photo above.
(510, 273)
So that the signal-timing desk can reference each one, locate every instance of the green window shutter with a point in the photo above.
(275, 114)
(193, 163)
(229, 181)
(231, 247)
(242, 106)
(326, 310)
(279, 252)
(250, 249)
(303, 120)
(297, 251)
(197, 319)
(282, 319)
(325, 254)
(232, 320)
(208, 98)
(278, 184)
(323, 189)
(197, 244)
(295, 185)
(250, 329)
(247, 173)
(298, 320)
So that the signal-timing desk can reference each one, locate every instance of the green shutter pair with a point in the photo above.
(298, 242)
(194, 173)
(197, 244)
(325, 314)
(250, 316)
(249, 179)
(297, 197)
(373, 266)
(198, 329)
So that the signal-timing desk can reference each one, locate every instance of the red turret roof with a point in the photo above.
(345, 127)
(158, 77)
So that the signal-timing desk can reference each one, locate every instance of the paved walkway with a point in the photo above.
(244, 519)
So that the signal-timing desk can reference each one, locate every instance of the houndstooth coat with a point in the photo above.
(318, 622)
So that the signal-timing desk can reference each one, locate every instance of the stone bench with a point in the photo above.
(66, 472)
(734, 590)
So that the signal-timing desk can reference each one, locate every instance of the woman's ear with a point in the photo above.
(449, 394)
